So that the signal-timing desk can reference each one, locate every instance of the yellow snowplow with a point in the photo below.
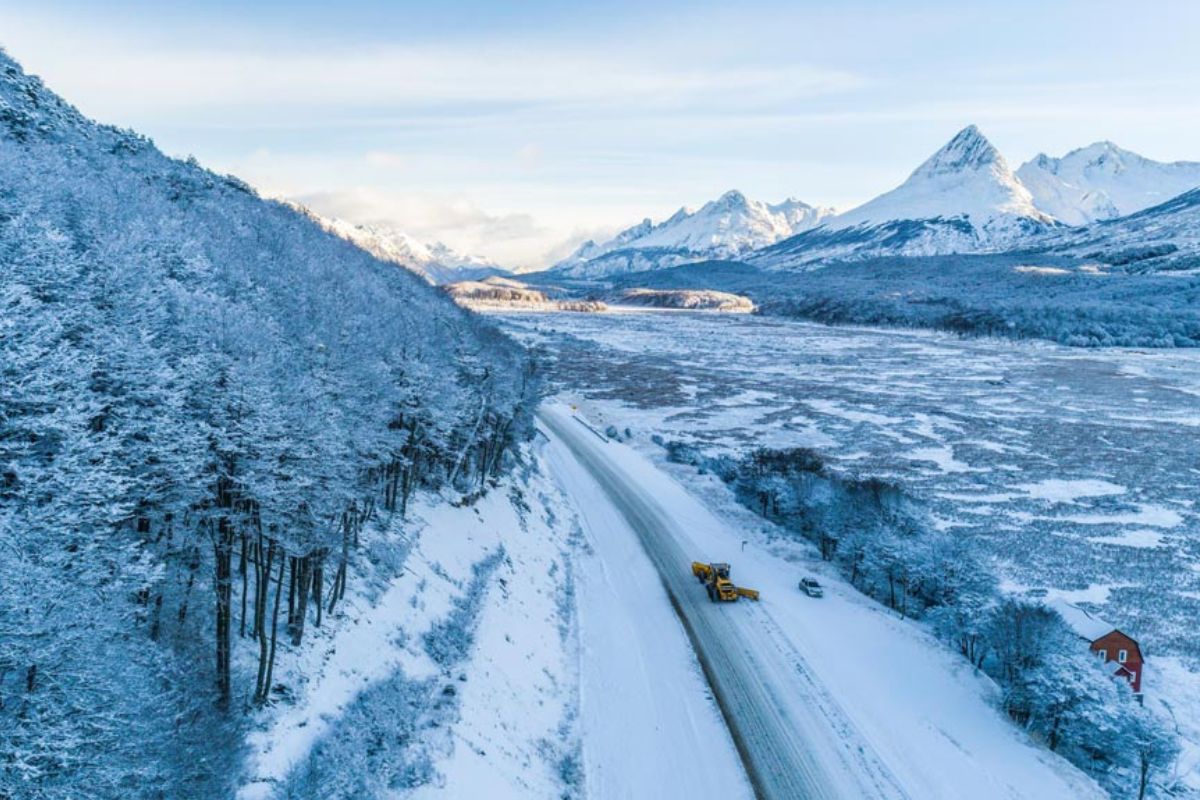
(717, 583)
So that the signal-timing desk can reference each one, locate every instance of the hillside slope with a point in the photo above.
(1164, 238)
(203, 396)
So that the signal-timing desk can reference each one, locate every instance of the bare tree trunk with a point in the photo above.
(393, 483)
(193, 566)
(156, 625)
(292, 592)
(263, 585)
(302, 590)
(458, 462)
(242, 568)
(318, 577)
(256, 552)
(339, 578)
(274, 630)
(406, 488)
(223, 547)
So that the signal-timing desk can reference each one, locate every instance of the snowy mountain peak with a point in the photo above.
(731, 200)
(968, 150)
(1103, 181)
(967, 178)
(962, 199)
(1107, 155)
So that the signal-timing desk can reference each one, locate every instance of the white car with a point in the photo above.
(811, 588)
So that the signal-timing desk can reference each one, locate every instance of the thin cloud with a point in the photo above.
(195, 82)
(431, 218)
(571, 243)
(386, 160)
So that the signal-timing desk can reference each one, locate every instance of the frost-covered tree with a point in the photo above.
(1153, 746)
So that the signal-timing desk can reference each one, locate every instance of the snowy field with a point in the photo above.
(1074, 471)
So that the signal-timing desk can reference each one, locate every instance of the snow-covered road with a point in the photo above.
(830, 698)
(790, 749)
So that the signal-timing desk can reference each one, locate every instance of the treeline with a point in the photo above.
(205, 401)
(1022, 297)
(878, 539)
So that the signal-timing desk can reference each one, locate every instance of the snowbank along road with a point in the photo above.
(790, 749)
(824, 698)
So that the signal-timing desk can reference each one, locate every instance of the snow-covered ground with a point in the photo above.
(569, 673)
(1073, 471)
(499, 722)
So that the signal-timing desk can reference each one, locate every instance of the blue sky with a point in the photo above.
(516, 130)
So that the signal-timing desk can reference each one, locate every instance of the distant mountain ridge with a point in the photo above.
(1163, 238)
(437, 263)
(727, 227)
(1103, 181)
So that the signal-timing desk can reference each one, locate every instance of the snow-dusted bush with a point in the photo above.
(375, 748)
(449, 640)
(1067, 698)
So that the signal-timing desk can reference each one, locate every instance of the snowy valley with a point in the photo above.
(296, 508)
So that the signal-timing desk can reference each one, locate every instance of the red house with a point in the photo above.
(1110, 644)
(1117, 648)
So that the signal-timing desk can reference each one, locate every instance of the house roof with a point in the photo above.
(1085, 624)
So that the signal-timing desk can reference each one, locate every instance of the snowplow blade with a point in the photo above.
(701, 571)
(749, 594)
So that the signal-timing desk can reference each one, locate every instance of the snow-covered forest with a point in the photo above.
(204, 397)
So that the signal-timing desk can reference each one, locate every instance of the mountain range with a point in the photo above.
(729, 227)
(963, 199)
